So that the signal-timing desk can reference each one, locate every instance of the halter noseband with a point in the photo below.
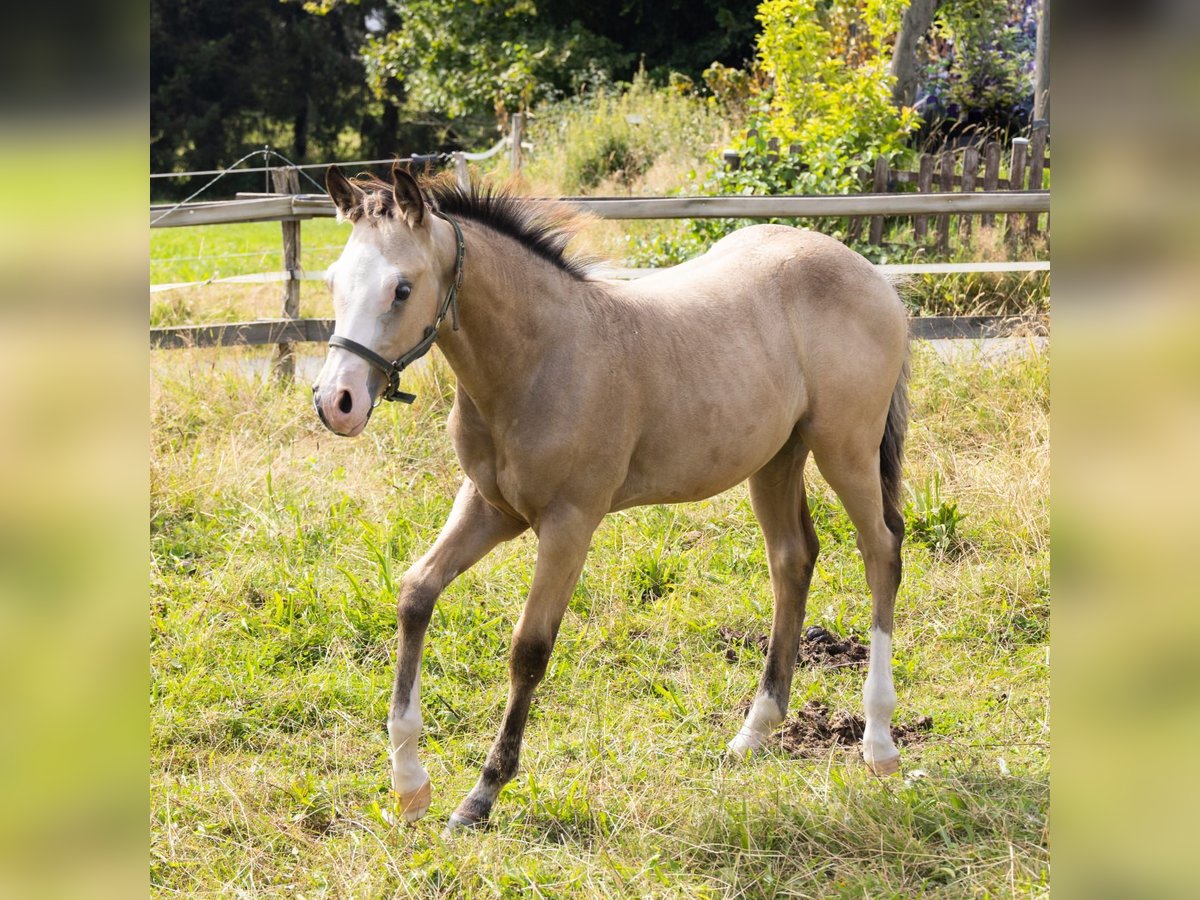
(393, 369)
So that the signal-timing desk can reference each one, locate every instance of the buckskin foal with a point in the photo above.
(578, 396)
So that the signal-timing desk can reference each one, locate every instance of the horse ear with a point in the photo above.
(409, 199)
(342, 192)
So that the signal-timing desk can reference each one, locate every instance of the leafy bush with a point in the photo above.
(831, 91)
(821, 83)
(980, 59)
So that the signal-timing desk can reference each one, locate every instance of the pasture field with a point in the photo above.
(276, 551)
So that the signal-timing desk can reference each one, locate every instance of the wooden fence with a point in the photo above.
(965, 169)
(290, 209)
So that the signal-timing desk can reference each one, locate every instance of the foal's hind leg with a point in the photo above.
(853, 472)
(474, 528)
(777, 494)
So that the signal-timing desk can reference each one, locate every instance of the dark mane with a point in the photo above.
(542, 228)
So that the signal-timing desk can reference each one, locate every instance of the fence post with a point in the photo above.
(516, 135)
(879, 186)
(773, 150)
(925, 186)
(1037, 162)
(970, 169)
(287, 181)
(946, 182)
(991, 175)
(461, 173)
(1016, 182)
(733, 160)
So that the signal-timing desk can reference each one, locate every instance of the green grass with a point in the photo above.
(276, 549)
(219, 251)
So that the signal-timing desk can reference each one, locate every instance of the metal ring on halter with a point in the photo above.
(392, 369)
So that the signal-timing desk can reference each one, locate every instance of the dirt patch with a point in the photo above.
(815, 727)
(818, 647)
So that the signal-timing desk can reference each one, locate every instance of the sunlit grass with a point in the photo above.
(276, 549)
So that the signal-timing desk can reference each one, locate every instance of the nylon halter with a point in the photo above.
(393, 369)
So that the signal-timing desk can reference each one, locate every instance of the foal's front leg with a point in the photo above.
(474, 528)
(563, 540)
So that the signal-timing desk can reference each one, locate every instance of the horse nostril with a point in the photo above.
(345, 402)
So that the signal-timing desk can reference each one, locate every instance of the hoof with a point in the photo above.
(414, 805)
(743, 745)
(459, 823)
(888, 765)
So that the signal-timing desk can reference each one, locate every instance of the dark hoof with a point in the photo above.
(460, 823)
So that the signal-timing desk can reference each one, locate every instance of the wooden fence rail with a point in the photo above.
(290, 208)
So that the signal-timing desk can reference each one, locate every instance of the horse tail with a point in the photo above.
(891, 451)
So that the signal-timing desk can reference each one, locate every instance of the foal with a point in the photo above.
(577, 397)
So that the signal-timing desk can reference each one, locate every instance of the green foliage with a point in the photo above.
(830, 89)
(220, 78)
(502, 56)
(932, 520)
(822, 85)
(619, 133)
(981, 57)
(489, 55)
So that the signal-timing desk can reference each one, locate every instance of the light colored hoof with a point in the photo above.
(743, 746)
(887, 765)
(416, 804)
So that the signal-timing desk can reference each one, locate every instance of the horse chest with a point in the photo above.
(479, 457)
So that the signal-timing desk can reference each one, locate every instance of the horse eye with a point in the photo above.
(402, 292)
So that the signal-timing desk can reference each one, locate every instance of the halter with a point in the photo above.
(393, 369)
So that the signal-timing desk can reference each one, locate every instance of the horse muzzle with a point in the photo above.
(341, 411)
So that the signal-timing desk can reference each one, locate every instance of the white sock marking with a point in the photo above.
(407, 772)
(764, 716)
(879, 700)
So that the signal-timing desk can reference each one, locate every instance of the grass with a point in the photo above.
(196, 254)
(276, 549)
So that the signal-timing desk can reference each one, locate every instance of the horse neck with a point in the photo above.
(512, 307)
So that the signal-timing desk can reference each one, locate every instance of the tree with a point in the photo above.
(906, 64)
(1041, 66)
(500, 56)
(228, 74)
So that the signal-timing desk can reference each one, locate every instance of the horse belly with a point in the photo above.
(702, 459)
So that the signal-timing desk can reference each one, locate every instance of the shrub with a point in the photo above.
(620, 133)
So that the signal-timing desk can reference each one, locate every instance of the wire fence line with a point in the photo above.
(442, 156)
(275, 252)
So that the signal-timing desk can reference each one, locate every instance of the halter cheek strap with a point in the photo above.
(393, 369)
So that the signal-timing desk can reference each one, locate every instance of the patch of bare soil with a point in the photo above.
(818, 647)
(815, 727)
